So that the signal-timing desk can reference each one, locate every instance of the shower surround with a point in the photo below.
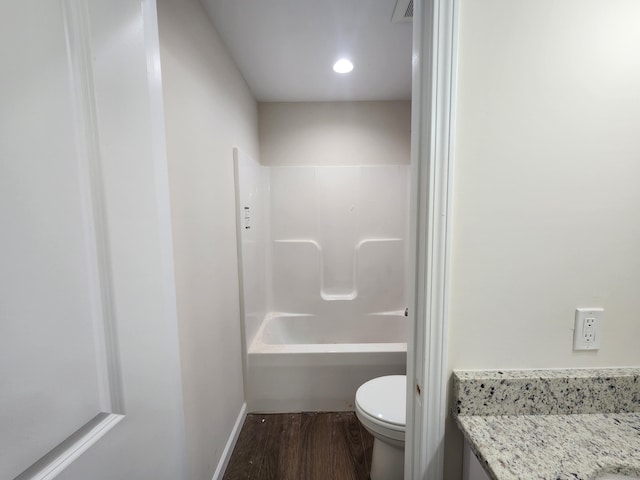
(322, 253)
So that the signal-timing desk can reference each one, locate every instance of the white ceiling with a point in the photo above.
(285, 49)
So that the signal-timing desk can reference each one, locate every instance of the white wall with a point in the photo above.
(335, 133)
(545, 187)
(209, 110)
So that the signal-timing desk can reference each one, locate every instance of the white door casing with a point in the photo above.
(432, 133)
(88, 332)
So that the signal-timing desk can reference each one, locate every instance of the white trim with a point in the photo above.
(70, 450)
(231, 443)
(433, 105)
(77, 31)
(161, 172)
(243, 324)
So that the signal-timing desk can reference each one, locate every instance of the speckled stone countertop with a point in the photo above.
(551, 424)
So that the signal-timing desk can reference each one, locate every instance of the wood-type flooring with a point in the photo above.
(301, 446)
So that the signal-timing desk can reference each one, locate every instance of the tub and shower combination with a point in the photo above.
(308, 363)
(322, 270)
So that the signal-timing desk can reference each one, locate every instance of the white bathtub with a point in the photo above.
(312, 363)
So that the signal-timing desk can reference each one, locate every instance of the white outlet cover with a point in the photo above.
(587, 333)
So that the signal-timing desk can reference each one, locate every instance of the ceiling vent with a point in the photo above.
(403, 11)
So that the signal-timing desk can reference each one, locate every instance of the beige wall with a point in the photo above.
(335, 133)
(546, 195)
(208, 110)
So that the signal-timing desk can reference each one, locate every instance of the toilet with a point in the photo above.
(381, 408)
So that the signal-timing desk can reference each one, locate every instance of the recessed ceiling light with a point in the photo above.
(342, 66)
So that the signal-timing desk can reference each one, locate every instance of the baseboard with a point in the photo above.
(231, 443)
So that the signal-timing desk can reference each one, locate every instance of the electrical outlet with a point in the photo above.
(588, 328)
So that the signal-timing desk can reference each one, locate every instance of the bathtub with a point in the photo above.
(316, 363)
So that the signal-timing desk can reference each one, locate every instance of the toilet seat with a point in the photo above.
(381, 406)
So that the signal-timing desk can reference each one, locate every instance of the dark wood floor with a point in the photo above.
(301, 446)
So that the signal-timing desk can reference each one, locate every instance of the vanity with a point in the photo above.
(578, 424)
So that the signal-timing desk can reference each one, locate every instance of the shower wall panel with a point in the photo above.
(252, 199)
(338, 239)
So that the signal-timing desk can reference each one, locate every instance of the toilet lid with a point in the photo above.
(384, 398)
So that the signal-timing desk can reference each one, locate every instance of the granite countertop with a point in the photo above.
(551, 424)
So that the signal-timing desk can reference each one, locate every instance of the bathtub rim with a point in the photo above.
(258, 346)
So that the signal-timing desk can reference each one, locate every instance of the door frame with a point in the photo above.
(435, 33)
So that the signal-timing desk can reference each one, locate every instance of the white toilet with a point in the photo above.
(381, 408)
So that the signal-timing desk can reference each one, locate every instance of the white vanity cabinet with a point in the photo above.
(471, 467)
